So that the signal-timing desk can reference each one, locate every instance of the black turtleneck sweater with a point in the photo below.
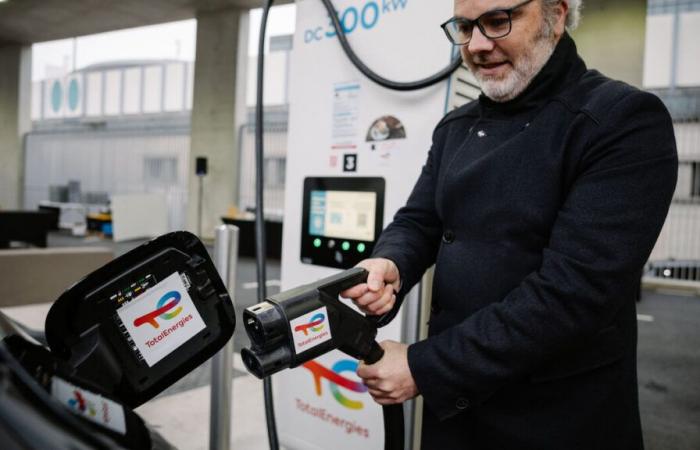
(539, 214)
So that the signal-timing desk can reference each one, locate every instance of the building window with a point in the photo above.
(160, 171)
(275, 169)
(669, 6)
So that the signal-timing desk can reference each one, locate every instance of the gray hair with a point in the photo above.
(573, 17)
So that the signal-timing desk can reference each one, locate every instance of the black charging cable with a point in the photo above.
(391, 413)
(369, 73)
(260, 241)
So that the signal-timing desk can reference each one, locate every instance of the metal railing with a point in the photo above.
(675, 270)
(675, 276)
(675, 261)
(680, 236)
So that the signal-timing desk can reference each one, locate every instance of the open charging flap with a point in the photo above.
(144, 320)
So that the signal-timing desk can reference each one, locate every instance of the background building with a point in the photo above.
(672, 71)
(124, 127)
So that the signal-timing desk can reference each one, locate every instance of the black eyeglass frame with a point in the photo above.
(477, 22)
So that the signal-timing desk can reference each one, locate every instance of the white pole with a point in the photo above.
(225, 258)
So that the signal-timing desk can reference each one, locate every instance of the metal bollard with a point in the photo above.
(226, 259)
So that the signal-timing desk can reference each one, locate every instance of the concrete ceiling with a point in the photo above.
(29, 21)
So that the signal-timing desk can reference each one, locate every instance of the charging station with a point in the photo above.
(355, 150)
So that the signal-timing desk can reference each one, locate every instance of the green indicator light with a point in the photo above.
(361, 247)
(346, 246)
(317, 242)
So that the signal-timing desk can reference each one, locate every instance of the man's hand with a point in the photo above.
(389, 380)
(378, 295)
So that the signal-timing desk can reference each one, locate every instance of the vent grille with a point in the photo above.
(463, 88)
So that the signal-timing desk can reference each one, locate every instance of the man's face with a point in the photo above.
(504, 67)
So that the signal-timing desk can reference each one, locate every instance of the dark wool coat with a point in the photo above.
(539, 215)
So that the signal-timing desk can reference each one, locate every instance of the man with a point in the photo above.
(539, 204)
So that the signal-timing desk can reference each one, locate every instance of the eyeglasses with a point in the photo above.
(493, 24)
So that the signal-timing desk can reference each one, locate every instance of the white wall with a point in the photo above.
(659, 50)
(657, 56)
(688, 140)
(679, 237)
(275, 89)
(112, 90)
(15, 87)
(689, 50)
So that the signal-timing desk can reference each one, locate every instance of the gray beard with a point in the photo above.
(504, 89)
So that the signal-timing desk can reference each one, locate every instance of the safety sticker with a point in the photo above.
(162, 319)
(89, 405)
(310, 330)
(346, 112)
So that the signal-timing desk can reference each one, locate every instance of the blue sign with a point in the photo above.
(56, 96)
(353, 18)
(73, 94)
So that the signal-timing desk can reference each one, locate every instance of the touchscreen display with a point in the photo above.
(343, 214)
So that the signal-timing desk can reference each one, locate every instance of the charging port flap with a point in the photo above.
(144, 320)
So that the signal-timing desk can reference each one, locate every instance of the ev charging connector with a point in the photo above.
(293, 327)
(277, 345)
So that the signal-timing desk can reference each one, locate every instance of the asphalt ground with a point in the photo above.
(668, 362)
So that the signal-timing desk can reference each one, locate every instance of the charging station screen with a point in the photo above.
(341, 219)
(343, 214)
(162, 319)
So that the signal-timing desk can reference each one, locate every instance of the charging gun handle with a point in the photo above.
(346, 279)
(375, 354)
(393, 414)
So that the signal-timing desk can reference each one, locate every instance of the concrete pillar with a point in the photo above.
(610, 38)
(218, 108)
(15, 103)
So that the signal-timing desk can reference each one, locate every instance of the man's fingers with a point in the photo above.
(378, 384)
(377, 393)
(377, 276)
(387, 307)
(377, 295)
(367, 299)
(380, 272)
(355, 291)
(376, 303)
(382, 302)
(383, 398)
(368, 373)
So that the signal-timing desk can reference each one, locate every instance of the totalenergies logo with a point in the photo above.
(315, 324)
(162, 308)
(79, 404)
(336, 381)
